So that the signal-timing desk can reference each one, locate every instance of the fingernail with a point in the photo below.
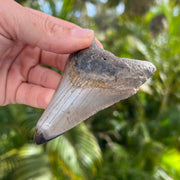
(81, 33)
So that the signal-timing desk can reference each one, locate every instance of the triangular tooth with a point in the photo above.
(93, 80)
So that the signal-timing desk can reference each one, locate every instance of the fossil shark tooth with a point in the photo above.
(93, 80)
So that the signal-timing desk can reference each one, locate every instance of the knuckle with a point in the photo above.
(50, 27)
(43, 78)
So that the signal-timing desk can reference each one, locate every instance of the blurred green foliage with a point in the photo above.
(138, 138)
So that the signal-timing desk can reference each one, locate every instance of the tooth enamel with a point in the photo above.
(93, 80)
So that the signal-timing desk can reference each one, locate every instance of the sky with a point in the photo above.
(91, 8)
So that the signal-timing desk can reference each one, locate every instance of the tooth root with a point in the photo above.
(88, 86)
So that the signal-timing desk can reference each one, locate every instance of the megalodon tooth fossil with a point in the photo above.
(93, 80)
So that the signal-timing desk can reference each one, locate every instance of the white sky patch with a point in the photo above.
(91, 9)
(77, 14)
(120, 8)
(45, 7)
(176, 11)
(103, 1)
(59, 5)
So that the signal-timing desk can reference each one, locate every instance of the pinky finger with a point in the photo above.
(34, 95)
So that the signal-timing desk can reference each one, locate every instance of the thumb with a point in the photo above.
(46, 34)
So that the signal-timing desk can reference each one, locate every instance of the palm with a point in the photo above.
(23, 79)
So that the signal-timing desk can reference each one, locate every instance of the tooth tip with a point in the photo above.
(150, 69)
(39, 137)
(153, 68)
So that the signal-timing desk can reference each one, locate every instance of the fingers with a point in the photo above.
(54, 19)
(44, 77)
(57, 61)
(60, 22)
(34, 95)
(45, 33)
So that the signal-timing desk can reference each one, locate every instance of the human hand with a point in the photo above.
(29, 38)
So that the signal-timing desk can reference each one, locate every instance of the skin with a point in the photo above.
(29, 38)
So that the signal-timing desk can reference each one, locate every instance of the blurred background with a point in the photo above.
(136, 139)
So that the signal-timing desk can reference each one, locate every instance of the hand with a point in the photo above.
(29, 38)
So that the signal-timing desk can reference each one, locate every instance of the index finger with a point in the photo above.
(60, 21)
